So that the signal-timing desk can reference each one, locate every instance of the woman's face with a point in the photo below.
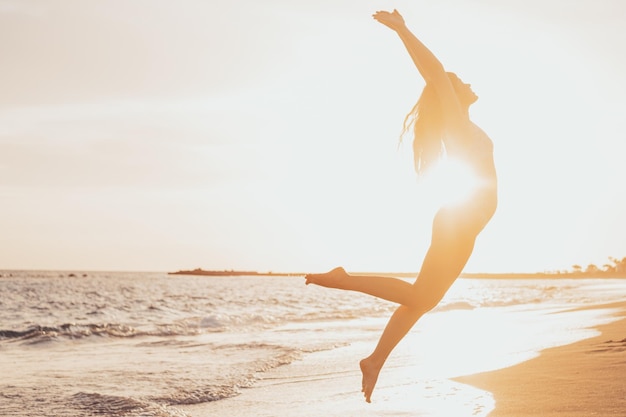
(463, 91)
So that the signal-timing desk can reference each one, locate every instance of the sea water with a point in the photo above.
(148, 344)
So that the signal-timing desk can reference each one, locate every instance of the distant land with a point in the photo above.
(544, 275)
(233, 273)
(500, 275)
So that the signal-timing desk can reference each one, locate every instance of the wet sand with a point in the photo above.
(577, 380)
(327, 384)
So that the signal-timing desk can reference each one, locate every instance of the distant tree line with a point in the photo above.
(615, 266)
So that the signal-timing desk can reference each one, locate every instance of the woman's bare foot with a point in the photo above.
(370, 375)
(335, 278)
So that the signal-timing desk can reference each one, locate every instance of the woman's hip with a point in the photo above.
(470, 216)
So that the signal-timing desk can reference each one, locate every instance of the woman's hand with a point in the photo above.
(392, 20)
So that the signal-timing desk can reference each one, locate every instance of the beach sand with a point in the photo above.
(583, 379)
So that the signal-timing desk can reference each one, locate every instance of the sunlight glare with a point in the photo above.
(451, 182)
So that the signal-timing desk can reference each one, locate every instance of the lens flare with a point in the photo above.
(451, 182)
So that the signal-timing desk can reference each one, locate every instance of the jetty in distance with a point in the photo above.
(232, 273)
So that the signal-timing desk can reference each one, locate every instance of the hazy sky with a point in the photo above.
(161, 135)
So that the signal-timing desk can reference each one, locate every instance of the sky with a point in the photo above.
(155, 135)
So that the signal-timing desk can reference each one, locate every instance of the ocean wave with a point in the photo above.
(459, 305)
(277, 355)
(211, 322)
(110, 405)
(39, 334)
(203, 395)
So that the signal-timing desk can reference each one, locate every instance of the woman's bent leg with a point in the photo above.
(398, 326)
(441, 267)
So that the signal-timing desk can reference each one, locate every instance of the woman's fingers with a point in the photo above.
(392, 20)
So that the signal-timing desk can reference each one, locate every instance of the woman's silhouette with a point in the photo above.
(441, 128)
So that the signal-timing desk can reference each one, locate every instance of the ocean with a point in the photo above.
(76, 343)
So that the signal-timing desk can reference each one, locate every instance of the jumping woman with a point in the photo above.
(442, 129)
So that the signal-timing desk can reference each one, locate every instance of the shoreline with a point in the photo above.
(576, 380)
(579, 379)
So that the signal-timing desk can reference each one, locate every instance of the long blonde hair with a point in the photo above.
(427, 122)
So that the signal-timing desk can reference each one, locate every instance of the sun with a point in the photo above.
(451, 182)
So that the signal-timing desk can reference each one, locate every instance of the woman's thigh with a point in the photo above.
(450, 249)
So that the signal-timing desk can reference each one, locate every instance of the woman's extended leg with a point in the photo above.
(390, 289)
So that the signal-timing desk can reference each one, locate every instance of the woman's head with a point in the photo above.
(463, 91)
(427, 121)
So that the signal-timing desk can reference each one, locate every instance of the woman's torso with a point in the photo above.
(475, 150)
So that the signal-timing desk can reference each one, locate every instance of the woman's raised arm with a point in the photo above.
(429, 67)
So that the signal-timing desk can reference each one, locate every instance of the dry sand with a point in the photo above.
(584, 379)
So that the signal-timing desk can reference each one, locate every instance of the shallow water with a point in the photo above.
(121, 344)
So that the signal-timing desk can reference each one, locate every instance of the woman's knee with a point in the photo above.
(423, 300)
(413, 310)
(428, 303)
